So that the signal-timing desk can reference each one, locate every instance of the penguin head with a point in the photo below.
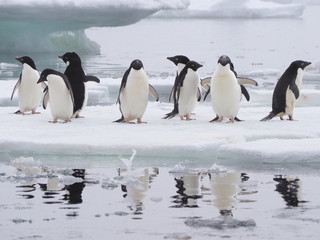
(27, 60)
(136, 64)
(224, 60)
(300, 64)
(43, 75)
(179, 59)
(193, 65)
(71, 58)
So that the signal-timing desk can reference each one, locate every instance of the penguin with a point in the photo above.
(133, 93)
(59, 94)
(29, 92)
(77, 78)
(287, 91)
(188, 89)
(206, 82)
(226, 91)
(180, 61)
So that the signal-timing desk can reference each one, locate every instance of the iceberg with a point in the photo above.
(51, 26)
(228, 9)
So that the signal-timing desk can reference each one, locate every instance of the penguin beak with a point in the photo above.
(19, 59)
(41, 79)
(170, 58)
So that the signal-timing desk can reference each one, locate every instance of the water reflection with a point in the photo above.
(224, 188)
(289, 189)
(136, 185)
(188, 191)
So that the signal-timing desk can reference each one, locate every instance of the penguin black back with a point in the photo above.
(287, 79)
(76, 77)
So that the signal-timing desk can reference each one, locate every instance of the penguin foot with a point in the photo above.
(78, 116)
(54, 121)
(66, 121)
(220, 119)
(231, 120)
(188, 118)
(127, 121)
(34, 112)
(139, 121)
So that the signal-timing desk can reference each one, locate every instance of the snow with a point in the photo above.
(243, 9)
(96, 134)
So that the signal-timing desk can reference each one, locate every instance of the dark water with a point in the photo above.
(156, 203)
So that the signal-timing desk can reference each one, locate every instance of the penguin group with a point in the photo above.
(67, 93)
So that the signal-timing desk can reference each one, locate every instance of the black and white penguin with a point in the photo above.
(133, 93)
(287, 91)
(226, 91)
(29, 92)
(59, 94)
(206, 83)
(180, 61)
(188, 89)
(77, 79)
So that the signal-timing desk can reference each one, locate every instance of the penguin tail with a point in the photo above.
(171, 114)
(17, 112)
(269, 117)
(120, 120)
(237, 119)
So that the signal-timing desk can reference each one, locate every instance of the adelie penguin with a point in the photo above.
(59, 95)
(133, 93)
(188, 90)
(180, 61)
(287, 91)
(29, 92)
(77, 79)
(226, 91)
(206, 85)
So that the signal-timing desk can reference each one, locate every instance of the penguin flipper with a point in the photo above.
(16, 86)
(69, 87)
(207, 93)
(44, 86)
(269, 117)
(294, 88)
(45, 98)
(205, 83)
(89, 78)
(153, 93)
(199, 95)
(245, 92)
(243, 80)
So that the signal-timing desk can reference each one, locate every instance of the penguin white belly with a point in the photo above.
(225, 95)
(290, 98)
(29, 91)
(188, 93)
(134, 97)
(61, 105)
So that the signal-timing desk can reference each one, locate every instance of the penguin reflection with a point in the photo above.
(74, 191)
(188, 190)
(136, 191)
(224, 188)
(290, 190)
